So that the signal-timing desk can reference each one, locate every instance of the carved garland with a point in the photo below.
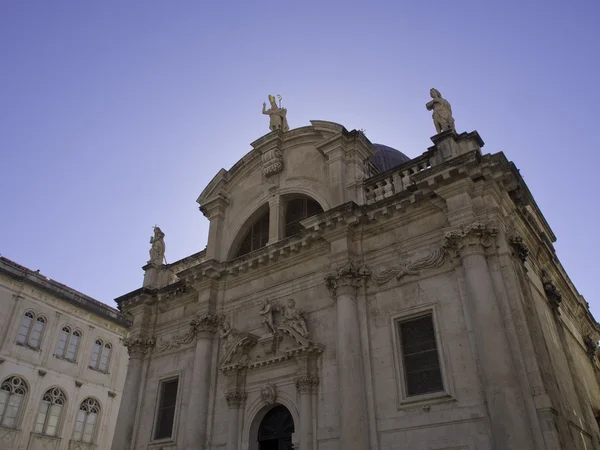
(205, 323)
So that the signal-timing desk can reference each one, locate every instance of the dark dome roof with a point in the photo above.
(387, 157)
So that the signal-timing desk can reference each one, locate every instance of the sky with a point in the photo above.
(115, 115)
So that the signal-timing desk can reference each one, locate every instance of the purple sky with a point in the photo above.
(115, 115)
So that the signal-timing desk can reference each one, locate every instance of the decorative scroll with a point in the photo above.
(432, 260)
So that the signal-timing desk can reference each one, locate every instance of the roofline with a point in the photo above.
(70, 295)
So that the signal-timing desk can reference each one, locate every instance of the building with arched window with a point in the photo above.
(353, 298)
(62, 364)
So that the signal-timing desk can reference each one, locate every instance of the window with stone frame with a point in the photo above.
(50, 412)
(13, 392)
(256, 237)
(165, 414)
(86, 422)
(298, 209)
(100, 357)
(68, 344)
(420, 359)
(31, 330)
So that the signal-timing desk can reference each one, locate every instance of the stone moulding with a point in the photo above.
(433, 259)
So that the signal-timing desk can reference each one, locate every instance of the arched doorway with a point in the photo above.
(275, 430)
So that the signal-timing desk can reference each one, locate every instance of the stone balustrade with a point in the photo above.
(396, 180)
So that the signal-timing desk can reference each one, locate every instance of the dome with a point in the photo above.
(386, 157)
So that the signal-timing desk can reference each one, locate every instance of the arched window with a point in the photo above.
(298, 209)
(12, 399)
(86, 421)
(50, 412)
(68, 343)
(257, 236)
(31, 329)
(100, 356)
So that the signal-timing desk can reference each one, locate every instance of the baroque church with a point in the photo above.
(352, 298)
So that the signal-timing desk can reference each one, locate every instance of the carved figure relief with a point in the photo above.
(294, 317)
(442, 112)
(269, 393)
(433, 259)
(277, 115)
(157, 251)
(227, 334)
(267, 316)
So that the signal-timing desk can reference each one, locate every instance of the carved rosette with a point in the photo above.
(269, 393)
(306, 384)
(272, 162)
(519, 247)
(346, 278)
(138, 347)
(552, 293)
(235, 398)
(472, 239)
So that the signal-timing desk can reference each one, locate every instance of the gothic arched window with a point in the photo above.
(12, 398)
(257, 236)
(50, 412)
(31, 329)
(298, 209)
(86, 421)
(100, 356)
(68, 343)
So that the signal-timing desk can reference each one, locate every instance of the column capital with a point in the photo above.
(346, 278)
(470, 239)
(235, 398)
(206, 324)
(306, 384)
(137, 347)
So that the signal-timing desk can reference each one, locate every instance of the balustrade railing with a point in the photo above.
(394, 180)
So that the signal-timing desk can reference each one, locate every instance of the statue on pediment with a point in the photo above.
(227, 334)
(294, 317)
(157, 251)
(267, 316)
(442, 112)
(277, 114)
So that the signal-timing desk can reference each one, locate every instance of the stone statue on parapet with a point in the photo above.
(277, 114)
(442, 112)
(157, 251)
(267, 316)
(294, 317)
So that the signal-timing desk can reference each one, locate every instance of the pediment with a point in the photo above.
(217, 187)
(253, 351)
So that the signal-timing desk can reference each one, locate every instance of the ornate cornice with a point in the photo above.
(433, 259)
(474, 238)
(306, 384)
(346, 278)
(138, 346)
(235, 398)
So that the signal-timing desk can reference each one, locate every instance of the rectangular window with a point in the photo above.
(166, 409)
(422, 372)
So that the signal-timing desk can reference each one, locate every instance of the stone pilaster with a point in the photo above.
(205, 326)
(343, 284)
(214, 210)
(506, 409)
(306, 387)
(137, 347)
(276, 220)
(235, 399)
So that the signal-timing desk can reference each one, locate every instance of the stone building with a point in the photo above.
(62, 364)
(352, 298)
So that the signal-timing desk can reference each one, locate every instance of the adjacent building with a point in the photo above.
(353, 298)
(62, 364)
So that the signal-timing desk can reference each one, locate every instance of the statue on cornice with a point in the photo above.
(277, 114)
(294, 317)
(227, 334)
(442, 112)
(157, 251)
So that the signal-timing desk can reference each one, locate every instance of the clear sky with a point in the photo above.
(114, 115)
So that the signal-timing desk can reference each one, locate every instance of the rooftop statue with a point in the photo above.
(442, 112)
(277, 114)
(157, 251)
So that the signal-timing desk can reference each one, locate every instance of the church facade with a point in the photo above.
(352, 298)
